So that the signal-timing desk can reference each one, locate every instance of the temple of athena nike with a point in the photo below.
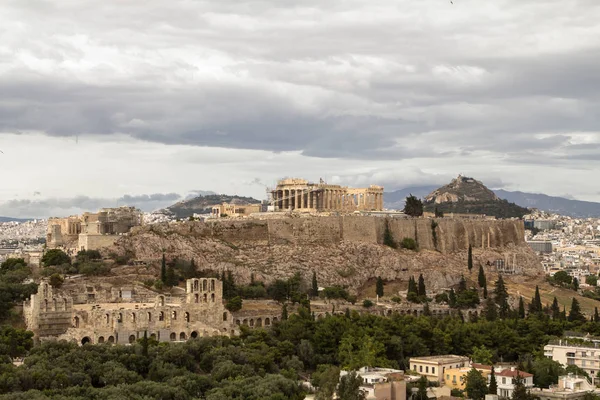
(302, 195)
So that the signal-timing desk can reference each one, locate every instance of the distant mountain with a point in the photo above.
(558, 205)
(203, 204)
(465, 195)
(11, 219)
(395, 200)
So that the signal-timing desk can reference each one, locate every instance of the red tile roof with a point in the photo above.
(481, 366)
(513, 373)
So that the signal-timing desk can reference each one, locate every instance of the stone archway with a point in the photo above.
(194, 335)
(131, 338)
(86, 340)
(101, 339)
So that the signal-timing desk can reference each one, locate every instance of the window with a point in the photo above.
(583, 354)
(583, 363)
(414, 367)
(504, 381)
(433, 370)
(447, 377)
(426, 370)
(420, 368)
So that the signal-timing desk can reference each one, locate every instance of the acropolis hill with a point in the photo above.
(345, 250)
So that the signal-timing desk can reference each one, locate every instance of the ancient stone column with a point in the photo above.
(298, 200)
(286, 199)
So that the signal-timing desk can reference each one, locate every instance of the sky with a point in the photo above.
(129, 102)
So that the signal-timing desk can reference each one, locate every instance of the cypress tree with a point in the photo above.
(493, 387)
(421, 290)
(284, 313)
(501, 297)
(575, 314)
(470, 258)
(426, 310)
(462, 285)
(481, 278)
(452, 299)
(163, 269)
(555, 309)
(315, 285)
(379, 287)
(521, 308)
(145, 344)
(485, 292)
(536, 302)
(575, 284)
(491, 313)
(412, 286)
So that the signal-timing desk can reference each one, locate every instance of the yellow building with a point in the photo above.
(456, 378)
(434, 367)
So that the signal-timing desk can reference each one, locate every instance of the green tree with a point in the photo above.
(163, 269)
(470, 258)
(482, 355)
(388, 239)
(491, 310)
(284, 313)
(422, 384)
(536, 302)
(349, 387)
(591, 280)
(367, 303)
(562, 278)
(521, 308)
(575, 314)
(575, 284)
(234, 304)
(452, 298)
(596, 317)
(546, 372)
(476, 385)
(421, 291)
(326, 379)
(315, 285)
(10, 264)
(55, 257)
(379, 287)
(481, 277)
(520, 391)
(501, 297)
(56, 280)
(493, 386)
(555, 308)
(409, 244)
(413, 206)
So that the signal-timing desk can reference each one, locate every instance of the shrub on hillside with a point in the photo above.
(409, 243)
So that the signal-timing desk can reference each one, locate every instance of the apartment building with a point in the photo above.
(584, 354)
(434, 367)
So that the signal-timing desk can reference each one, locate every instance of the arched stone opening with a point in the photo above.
(196, 298)
(237, 322)
(186, 316)
(107, 318)
(205, 298)
(161, 301)
(86, 340)
(267, 321)
(174, 315)
(194, 335)
(133, 317)
(120, 317)
(161, 316)
(212, 285)
(196, 286)
(252, 322)
(245, 322)
(182, 336)
(204, 285)
(225, 316)
(173, 336)
(131, 338)
(275, 319)
(153, 336)
(111, 339)
(149, 317)
(212, 297)
(101, 339)
(76, 322)
(259, 322)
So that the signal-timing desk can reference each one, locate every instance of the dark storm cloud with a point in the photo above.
(388, 80)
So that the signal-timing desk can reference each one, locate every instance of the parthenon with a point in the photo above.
(302, 195)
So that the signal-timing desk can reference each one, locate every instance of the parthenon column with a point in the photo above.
(298, 200)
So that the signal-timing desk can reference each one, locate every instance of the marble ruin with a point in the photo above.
(302, 195)
(116, 315)
(91, 231)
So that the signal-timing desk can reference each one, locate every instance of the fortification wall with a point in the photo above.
(96, 241)
(450, 234)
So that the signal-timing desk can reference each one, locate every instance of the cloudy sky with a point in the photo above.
(144, 102)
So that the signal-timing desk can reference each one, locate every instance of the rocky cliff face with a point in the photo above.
(341, 250)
